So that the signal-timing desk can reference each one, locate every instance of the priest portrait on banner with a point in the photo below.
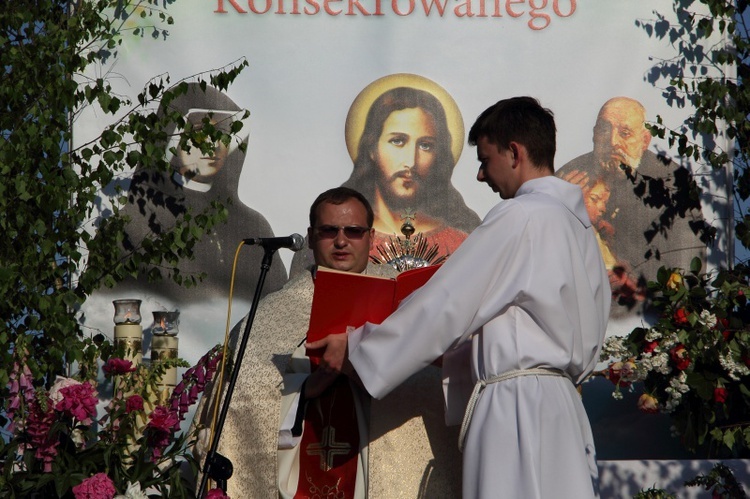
(644, 206)
(405, 134)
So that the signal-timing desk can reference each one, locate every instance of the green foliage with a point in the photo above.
(709, 72)
(695, 361)
(654, 493)
(61, 239)
(721, 482)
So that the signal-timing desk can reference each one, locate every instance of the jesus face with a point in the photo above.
(405, 153)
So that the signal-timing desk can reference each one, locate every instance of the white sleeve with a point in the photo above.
(485, 274)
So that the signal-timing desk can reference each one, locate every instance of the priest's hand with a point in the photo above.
(335, 354)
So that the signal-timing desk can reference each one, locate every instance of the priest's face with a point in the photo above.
(496, 168)
(341, 238)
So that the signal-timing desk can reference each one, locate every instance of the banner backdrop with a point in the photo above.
(340, 91)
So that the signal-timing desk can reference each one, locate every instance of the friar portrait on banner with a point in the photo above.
(405, 134)
(156, 199)
(644, 207)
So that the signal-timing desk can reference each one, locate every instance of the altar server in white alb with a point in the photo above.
(518, 313)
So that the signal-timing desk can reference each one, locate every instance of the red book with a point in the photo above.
(343, 299)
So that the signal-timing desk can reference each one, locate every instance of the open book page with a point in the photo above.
(347, 299)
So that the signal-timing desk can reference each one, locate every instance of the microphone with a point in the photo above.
(295, 242)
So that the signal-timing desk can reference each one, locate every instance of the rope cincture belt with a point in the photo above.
(482, 383)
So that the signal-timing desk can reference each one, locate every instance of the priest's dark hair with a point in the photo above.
(522, 120)
(340, 195)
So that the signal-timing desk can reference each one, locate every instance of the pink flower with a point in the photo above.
(161, 423)
(162, 419)
(720, 394)
(60, 383)
(41, 438)
(216, 494)
(134, 403)
(648, 403)
(79, 401)
(99, 486)
(680, 357)
(193, 383)
(115, 366)
(20, 386)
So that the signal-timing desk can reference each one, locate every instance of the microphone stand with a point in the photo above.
(216, 466)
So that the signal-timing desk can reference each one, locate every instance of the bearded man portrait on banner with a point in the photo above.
(405, 134)
(647, 211)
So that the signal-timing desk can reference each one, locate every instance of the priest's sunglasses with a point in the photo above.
(350, 231)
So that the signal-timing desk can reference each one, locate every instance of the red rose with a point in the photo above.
(650, 346)
(722, 323)
(115, 366)
(680, 316)
(720, 394)
(648, 403)
(134, 403)
(619, 373)
(680, 357)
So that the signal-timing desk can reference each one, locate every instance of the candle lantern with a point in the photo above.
(128, 330)
(164, 345)
(166, 323)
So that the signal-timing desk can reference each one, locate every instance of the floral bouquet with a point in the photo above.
(60, 447)
(694, 363)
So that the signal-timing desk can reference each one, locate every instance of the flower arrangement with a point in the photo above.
(694, 362)
(58, 446)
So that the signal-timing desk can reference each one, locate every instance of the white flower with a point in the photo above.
(133, 492)
(654, 361)
(708, 319)
(670, 341)
(677, 387)
(653, 335)
(614, 347)
(733, 369)
(60, 383)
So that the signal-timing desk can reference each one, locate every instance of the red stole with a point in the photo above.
(329, 448)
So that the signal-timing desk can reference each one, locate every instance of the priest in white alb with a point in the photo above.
(519, 314)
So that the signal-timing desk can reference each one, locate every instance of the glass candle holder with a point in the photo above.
(127, 311)
(166, 323)
(128, 330)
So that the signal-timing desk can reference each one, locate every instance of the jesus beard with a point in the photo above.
(396, 201)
